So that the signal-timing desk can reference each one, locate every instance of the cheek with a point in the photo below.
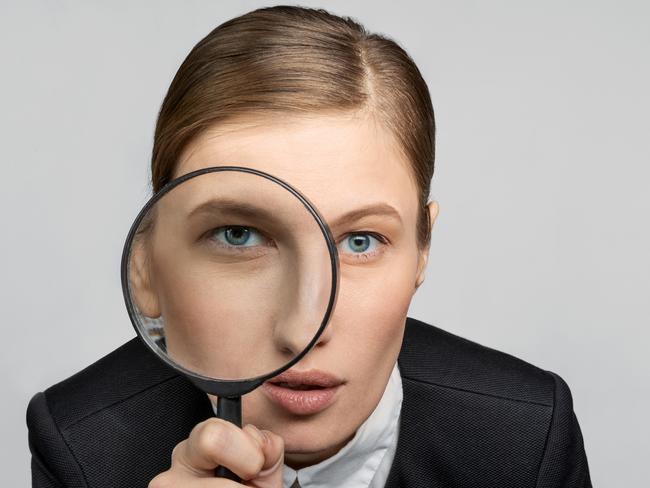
(375, 327)
(218, 316)
(203, 321)
(376, 300)
(368, 322)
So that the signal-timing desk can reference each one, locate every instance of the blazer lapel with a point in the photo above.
(409, 468)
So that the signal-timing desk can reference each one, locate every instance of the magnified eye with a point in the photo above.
(238, 236)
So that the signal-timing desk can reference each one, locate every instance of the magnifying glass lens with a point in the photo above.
(230, 275)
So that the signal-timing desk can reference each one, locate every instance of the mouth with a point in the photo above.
(298, 386)
(303, 393)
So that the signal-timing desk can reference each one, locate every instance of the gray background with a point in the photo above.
(542, 175)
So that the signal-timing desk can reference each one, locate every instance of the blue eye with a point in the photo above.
(238, 236)
(360, 243)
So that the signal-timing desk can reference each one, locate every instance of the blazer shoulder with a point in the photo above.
(435, 356)
(123, 373)
(92, 428)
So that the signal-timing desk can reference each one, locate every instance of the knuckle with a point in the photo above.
(163, 480)
(177, 451)
(214, 436)
(224, 443)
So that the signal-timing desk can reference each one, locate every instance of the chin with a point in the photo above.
(311, 435)
(311, 442)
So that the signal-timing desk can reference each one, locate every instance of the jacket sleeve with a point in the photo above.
(564, 463)
(53, 464)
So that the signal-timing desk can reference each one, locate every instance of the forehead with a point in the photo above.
(339, 162)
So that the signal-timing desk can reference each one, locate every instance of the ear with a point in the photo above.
(144, 296)
(432, 209)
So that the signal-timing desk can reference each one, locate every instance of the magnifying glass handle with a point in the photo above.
(228, 408)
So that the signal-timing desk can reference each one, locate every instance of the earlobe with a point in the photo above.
(422, 264)
(432, 210)
(140, 282)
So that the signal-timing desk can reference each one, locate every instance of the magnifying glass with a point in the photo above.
(229, 276)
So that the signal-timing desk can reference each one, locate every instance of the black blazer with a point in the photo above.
(471, 417)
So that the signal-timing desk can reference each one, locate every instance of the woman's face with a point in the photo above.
(341, 163)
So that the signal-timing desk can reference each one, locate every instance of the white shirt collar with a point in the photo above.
(365, 461)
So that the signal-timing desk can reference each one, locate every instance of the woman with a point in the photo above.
(346, 117)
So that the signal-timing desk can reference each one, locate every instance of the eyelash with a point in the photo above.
(210, 235)
(364, 256)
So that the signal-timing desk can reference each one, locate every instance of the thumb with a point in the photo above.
(271, 474)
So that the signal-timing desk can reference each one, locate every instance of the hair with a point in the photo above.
(297, 60)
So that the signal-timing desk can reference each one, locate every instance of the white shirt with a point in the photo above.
(365, 461)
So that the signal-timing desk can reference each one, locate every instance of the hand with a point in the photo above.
(257, 457)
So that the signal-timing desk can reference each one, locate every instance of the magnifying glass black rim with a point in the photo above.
(214, 386)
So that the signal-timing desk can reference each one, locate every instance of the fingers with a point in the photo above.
(273, 449)
(216, 442)
(171, 479)
(257, 457)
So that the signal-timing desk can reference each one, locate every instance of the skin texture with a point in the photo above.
(341, 162)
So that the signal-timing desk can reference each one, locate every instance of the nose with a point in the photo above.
(326, 335)
(294, 335)
(308, 286)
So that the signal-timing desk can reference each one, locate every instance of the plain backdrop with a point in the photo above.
(542, 177)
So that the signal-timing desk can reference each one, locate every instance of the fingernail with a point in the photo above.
(261, 436)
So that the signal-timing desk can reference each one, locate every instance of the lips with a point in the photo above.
(303, 393)
(311, 378)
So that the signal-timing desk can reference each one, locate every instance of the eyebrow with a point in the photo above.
(376, 209)
(235, 207)
(246, 210)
